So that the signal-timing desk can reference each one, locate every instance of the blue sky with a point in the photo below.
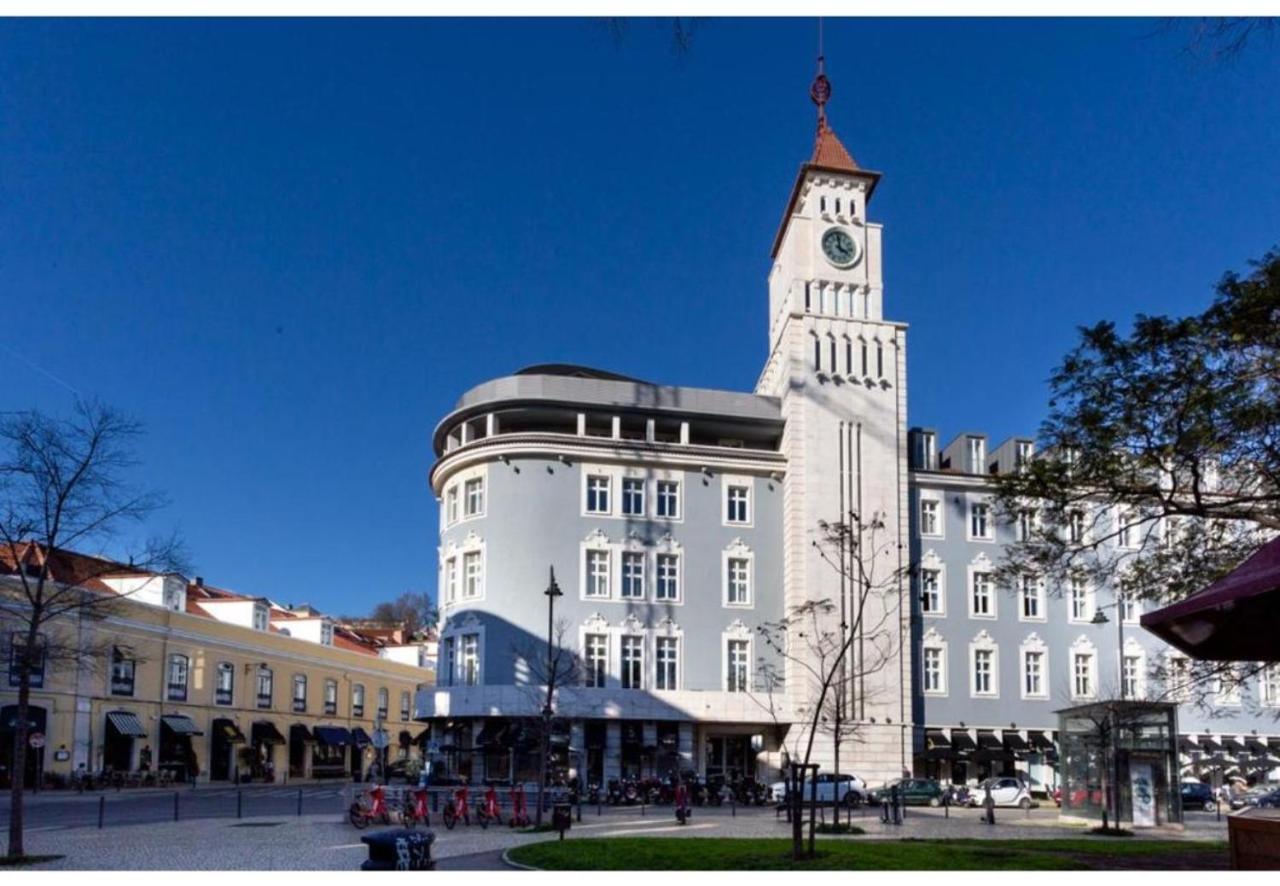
(288, 246)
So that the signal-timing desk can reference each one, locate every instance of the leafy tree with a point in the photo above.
(63, 487)
(1162, 456)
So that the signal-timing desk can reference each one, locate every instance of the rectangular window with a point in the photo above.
(404, 707)
(1075, 527)
(982, 667)
(737, 504)
(472, 577)
(1132, 668)
(470, 659)
(122, 672)
(597, 649)
(1027, 524)
(451, 505)
(933, 669)
(669, 499)
(384, 703)
(224, 684)
(1080, 608)
(451, 578)
(300, 694)
(633, 575)
(929, 517)
(266, 687)
(17, 647)
(1129, 609)
(1033, 673)
(633, 497)
(980, 520)
(1082, 674)
(983, 595)
(331, 697)
(1271, 686)
(739, 581)
(597, 573)
(597, 494)
(357, 700)
(632, 662)
(1025, 449)
(1032, 598)
(261, 618)
(977, 455)
(737, 655)
(177, 681)
(668, 663)
(474, 489)
(668, 577)
(930, 592)
(450, 661)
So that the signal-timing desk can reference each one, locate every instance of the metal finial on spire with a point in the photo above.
(820, 89)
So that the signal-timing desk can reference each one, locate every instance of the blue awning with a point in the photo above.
(332, 735)
(360, 738)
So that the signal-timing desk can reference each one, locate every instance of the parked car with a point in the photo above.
(849, 790)
(914, 791)
(1005, 791)
(1196, 795)
(1269, 800)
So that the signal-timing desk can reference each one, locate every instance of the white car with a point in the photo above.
(850, 790)
(1005, 791)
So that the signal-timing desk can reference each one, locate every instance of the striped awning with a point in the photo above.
(299, 732)
(126, 723)
(181, 724)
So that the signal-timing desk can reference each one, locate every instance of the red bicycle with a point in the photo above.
(519, 810)
(412, 812)
(456, 809)
(363, 812)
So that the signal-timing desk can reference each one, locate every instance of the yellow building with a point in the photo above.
(200, 682)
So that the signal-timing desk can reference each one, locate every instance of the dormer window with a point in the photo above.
(326, 633)
(261, 618)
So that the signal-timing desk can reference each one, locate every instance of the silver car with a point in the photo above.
(849, 790)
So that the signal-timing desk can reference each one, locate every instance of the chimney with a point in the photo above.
(199, 581)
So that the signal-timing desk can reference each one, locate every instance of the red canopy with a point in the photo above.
(1237, 618)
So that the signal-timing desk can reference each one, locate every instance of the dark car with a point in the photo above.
(1198, 796)
(1270, 800)
(914, 791)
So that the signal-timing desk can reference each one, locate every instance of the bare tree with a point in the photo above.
(1223, 38)
(550, 669)
(833, 647)
(412, 611)
(63, 486)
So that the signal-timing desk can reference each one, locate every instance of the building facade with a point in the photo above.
(681, 521)
(201, 683)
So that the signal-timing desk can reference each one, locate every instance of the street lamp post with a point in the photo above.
(1100, 618)
(552, 591)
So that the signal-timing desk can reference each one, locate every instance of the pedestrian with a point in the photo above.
(988, 804)
(144, 758)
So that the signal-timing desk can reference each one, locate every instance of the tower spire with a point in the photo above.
(827, 149)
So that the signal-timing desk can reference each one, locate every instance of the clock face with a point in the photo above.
(839, 247)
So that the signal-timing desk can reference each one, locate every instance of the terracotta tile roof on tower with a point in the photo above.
(829, 153)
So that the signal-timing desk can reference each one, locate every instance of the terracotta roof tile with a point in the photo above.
(829, 153)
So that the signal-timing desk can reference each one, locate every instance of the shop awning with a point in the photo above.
(265, 732)
(1274, 744)
(1015, 743)
(126, 723)
(1232, 745)
(936, 744)
(493, 733)
(422, 737)
(332, 735)
(299, 732)
(228, 730)
(1209, 746)
(1039, 741)
(1254, 746)
(1187, 744)
(962, 742)
(359, 737)
(181, 724)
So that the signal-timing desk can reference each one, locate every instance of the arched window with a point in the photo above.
(383, 703)
(831, 340)
(848, 356)
(179, 668)
(266, 682)
(357, 700)
(300, 693)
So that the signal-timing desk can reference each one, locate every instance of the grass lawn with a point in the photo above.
(728, 854)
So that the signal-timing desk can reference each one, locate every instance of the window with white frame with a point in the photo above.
(1032, 598)
(1081, 599)
(473, 491)
(632, 661)
(983, 596)
(931, 602)
(597, 574)
(384, 703)
(1082, 674)
(977, 456)
(633, 575)
(1269, 685)
(1024, 450)
(1130, 610)
(667, 651)
(1227, 687)
(984, 671)
(299, 693)
(738, 504)
(224, 683)
(597, 494)
(933, 669)
(930, 517)
(597, 659)
(451, 578)
(470, 659)
(1075, 527)
(1131, 676)
(1027, 523)
(668, 577)
(179, 671)
(739, 581)
(738, 657)
(633, 496)
(1033, 682)
(405, 706)
(668, 496)
(473, 575)
(451, 505)
(979, 520)
(357, 700)
(261, 617)
(450, 661)
(330, 697)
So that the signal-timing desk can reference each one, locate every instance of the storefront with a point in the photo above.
(120, 732)
(177, 753)
(329, 752)
(300, 743)
(223, 743)
(359, 741)
(259, 757)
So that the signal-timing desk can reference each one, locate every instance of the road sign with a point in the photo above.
(381, 738)
(36, 740)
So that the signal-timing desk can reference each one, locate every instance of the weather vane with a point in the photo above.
(820, 89)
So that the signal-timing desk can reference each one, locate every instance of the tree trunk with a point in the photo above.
(813, 811)
(19, 768)
(835, 793)
(797, 813)
(542, 767)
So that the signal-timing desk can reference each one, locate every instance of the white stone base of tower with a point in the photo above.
(878, 753)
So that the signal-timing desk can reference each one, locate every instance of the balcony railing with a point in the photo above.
(176, 692)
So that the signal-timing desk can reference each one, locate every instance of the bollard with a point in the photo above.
(239, 804)
(102, 810)
(579, 807)
(733, 806)
(435, 801)
(175, 805)
(599, 805)
(299, 802)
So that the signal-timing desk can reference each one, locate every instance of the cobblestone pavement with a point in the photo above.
(322, 842)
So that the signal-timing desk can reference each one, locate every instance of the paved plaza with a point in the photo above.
(324, 842)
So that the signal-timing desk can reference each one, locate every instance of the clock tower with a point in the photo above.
(839, 370)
